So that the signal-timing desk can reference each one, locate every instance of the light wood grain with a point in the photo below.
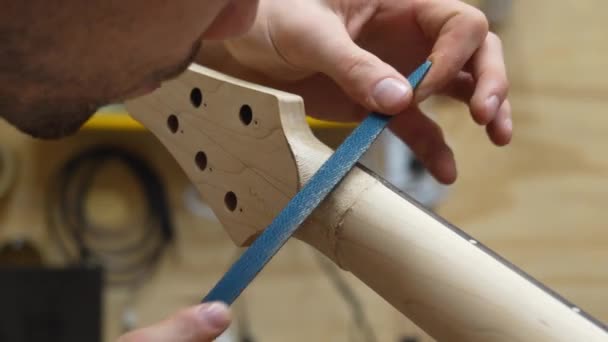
(546, 216)
(433, 274)
(240, 157)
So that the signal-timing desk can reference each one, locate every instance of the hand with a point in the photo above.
(348, 57)
(203, 323)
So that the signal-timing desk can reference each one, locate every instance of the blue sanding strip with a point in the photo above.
(251, 262)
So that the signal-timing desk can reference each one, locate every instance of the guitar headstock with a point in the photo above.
(230, 137)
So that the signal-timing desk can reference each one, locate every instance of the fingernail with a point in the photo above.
(216, 314)
(390, 93)
(492, 105)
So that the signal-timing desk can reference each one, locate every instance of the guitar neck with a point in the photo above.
(445, 281)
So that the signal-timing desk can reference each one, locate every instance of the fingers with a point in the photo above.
(202, 323)
(458, 30)
(464, 42)
(425, 138)
(488, 69)
(500, 128)
(364, 77)
(461, 88)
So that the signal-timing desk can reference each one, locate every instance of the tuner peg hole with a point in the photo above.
(201, 160)
(230, 201)
(173, 123)
(246, 115)
(196, 97)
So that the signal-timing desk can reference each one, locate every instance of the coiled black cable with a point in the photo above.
(126, 255)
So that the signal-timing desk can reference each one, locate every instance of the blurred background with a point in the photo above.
(102, 232)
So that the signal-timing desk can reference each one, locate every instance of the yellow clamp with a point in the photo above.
(115, 117)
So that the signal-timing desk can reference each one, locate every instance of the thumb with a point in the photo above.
(364, 77)
(202, 323)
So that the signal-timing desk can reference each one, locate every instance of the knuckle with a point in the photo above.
(450, 68)
(352, 69)
(494, 40)
(354, 64)
(186, 321)
(190, 326)
(479, 22)
(506, 85)
(505, 89)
